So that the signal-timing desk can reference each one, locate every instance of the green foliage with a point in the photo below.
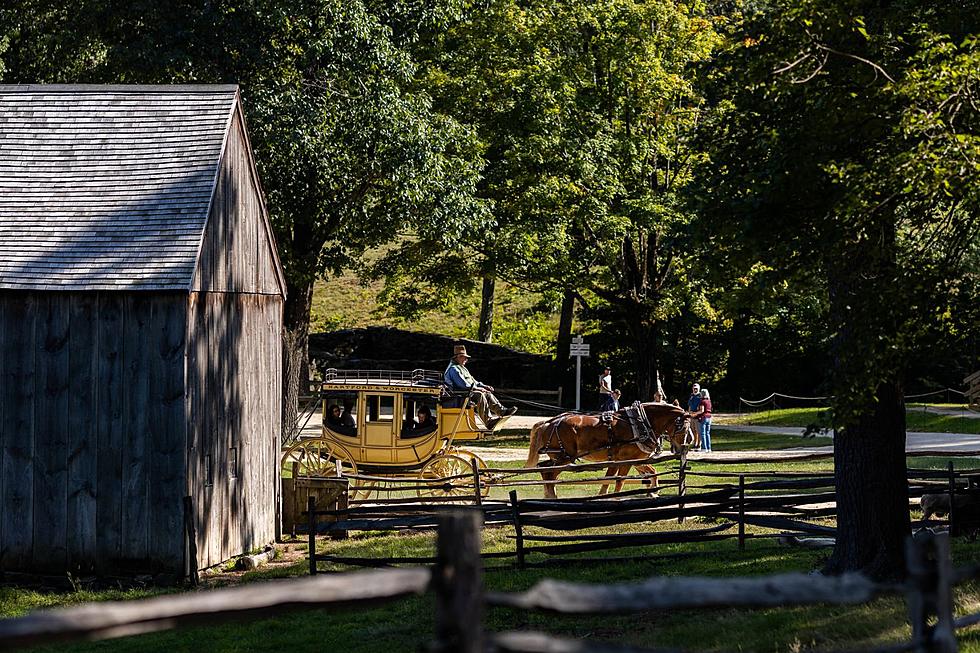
(583, 112)
(830, 150)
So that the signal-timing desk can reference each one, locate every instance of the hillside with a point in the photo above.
(522, 323)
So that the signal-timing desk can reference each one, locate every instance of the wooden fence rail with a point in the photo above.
(456, 581)
(780, 501)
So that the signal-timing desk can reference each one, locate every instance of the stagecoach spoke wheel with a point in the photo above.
(446, 467)
(320, 459)
(486, 480)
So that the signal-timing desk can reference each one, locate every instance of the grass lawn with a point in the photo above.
(408, 625)
(916, 420)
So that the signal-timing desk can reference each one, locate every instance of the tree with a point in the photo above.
(822, 164)
(585, 110)
(348, 146)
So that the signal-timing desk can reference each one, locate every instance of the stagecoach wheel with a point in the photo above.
(485, 479)
(319, 459)
(446, 466)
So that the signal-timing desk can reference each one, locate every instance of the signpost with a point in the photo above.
(579, 350)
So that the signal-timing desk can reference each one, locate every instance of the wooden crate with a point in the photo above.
(330, 494)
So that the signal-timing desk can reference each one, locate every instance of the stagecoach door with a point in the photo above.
(379, 422)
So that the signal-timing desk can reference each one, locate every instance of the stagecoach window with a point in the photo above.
(340, 412)
(381, 408)
(411, 422)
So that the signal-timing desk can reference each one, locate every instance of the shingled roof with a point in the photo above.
(107, 187)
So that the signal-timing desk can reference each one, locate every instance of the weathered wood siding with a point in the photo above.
(238, 253)
(234, 367)
(234, 389)
(92, 431)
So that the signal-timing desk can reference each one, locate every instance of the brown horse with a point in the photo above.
(571, 436)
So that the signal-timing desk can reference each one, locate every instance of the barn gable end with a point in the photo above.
(238, 252)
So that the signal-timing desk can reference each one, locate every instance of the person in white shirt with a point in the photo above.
(605, 387)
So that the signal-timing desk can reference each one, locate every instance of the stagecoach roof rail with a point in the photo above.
(416, 377)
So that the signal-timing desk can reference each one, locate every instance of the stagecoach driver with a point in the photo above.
(458, 377)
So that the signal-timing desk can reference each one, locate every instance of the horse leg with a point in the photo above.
(610, 472)
(652, 482)
(624, 471)
(549, 488)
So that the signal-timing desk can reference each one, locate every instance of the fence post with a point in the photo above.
(343, 503)
(311, 525)
(930, 592)
(944, 633)
(741, 512)
(915, 599)
(952, 498)
(478, 495)
(515, 508)
(458, 583)
(682, 484)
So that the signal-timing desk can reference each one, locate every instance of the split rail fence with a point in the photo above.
(784, 504)
(461, 601)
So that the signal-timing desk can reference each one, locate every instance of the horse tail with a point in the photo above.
(534, 451)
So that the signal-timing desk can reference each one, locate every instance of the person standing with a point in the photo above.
(459, 378)
(605, 388)
(612, 402)
(704, 419)
(693, 405)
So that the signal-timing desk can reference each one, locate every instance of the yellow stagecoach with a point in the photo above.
(375, 430)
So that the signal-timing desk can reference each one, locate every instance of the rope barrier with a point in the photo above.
(773, 396)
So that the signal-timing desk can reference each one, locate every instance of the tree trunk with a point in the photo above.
(872, 490)
(563, 368)
(869, 451)
(296, 342)
(645, 337)
(486, 309)
(737, 362)
(564, 340)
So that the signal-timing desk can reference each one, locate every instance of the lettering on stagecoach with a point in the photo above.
(381, 386)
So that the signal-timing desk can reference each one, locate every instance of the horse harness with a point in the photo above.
(634, 415)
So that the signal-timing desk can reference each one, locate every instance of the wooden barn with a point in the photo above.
(140, 331)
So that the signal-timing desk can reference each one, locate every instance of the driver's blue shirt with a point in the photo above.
(459, 378)
(693, 402)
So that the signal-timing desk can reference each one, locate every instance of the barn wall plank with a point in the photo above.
(110, 424)
(167, 429)
(196, 363)
(234, 213)
(51, 434)
(228, 373)
(5, 431)
(17, 391)
(136, 372)
(214, 416)
(83, 413)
